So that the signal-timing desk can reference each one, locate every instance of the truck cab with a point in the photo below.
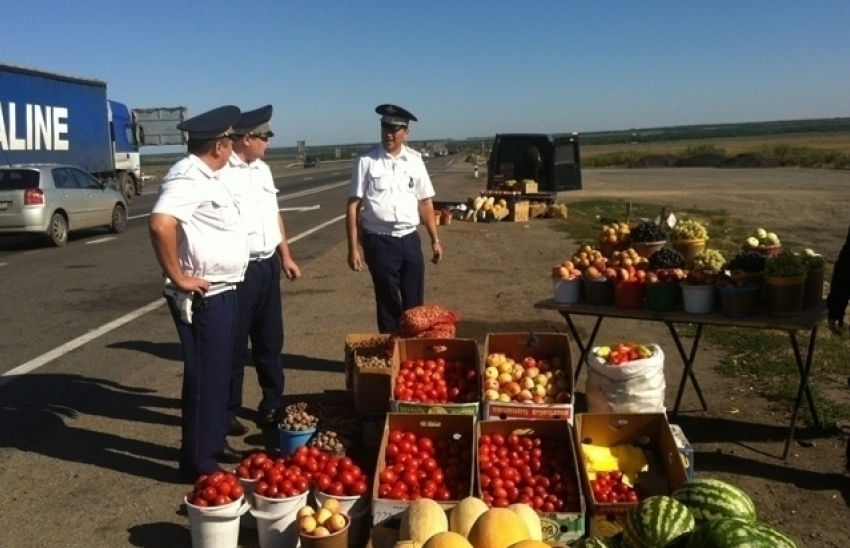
(552, 162)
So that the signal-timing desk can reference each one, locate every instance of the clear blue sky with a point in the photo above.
(464, 68)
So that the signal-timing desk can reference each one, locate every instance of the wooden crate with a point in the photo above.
(518, 211)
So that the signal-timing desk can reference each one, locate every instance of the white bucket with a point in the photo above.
(698, 299)
(216, 526)
(567, 291)
(351, 505)
(276, 520)
(248, 520)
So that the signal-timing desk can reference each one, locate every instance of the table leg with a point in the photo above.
(688, 362)
(804, 370)
(584, 348)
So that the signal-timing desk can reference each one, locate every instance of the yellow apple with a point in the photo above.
(307, 524)
(336, 523)
(322, 515)
(491, 372)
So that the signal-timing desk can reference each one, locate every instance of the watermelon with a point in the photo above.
(711, 499)
(656, 522)
(734, 533)
(597, 542)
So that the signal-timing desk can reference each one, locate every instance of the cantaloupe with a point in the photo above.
(464, 515)
(531, 519)
(530, 544)
(407, 544)
(423, 519)
(498, 528)
(447, 539)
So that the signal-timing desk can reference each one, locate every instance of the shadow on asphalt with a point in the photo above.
(309, 363)
(166, 351)
(159, 535)
(38, 415)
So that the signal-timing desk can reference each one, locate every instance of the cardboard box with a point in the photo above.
(528, 187)
(648, 431)
(386, 512)
(686, 450)
(352, 342)
(430, 349)
(516, 346)
(517, 211)
(557, 527)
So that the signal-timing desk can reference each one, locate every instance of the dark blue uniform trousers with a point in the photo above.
(398, 275)
(207, 345)
(260, 319)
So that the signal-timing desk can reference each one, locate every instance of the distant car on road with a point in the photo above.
(311, 161)
(53, 199)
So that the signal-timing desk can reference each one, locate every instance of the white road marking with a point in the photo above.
(101, 240)
(34, 364)
(3, 264)
(300, 209)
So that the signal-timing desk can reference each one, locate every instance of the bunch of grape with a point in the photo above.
(648, 231)
(666, 258)
(688, 229)
(785, 265)
(748, 261)
(709, 259)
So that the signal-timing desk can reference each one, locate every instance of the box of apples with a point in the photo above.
(437, 376)
(527, 376)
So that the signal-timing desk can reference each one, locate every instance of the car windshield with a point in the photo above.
(18, 179)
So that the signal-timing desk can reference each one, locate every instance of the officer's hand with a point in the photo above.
(291, 269)
(354, 261)
(192, 285)
(437, 250)
(836, 326)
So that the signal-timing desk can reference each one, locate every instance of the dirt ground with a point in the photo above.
(493, 273)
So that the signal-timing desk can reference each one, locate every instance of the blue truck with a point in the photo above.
(47, 117)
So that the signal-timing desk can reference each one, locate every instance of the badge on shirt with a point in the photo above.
(410, 184)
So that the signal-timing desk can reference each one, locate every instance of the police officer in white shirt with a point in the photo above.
(389, 196)
(201, 244)
(260, 316)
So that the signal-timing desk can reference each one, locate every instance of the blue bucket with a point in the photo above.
(290, 440)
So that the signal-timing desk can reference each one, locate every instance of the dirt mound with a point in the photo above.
(701, 160)
(656, 160)
(749, 160)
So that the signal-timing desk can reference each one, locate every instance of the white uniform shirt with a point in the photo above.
(391, 189)
(253, 187)
(211, 242)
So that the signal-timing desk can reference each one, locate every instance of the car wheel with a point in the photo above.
(57, 230)
(119, 219)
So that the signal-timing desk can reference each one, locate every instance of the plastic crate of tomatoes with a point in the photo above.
(422, 456)
(435, 376)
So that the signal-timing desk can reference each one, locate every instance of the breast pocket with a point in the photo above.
(223, 214)
(379, 181)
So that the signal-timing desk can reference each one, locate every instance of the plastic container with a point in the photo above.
(216, 526)
(765, 250)
(248, 521)
(813, 293)
(567, 291)
(785, 295)
(334, 540)
(629, 294)
(663, 296)
(689, 248)
(698, 299)
(739, 302)
(277, 526)
(290, 440)
(645, 249)
(599, 292)
(607, 248)
(351, 505)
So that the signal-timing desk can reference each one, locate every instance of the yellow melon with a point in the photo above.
(447, 539)
(464, 515)
(531, 519)
(498, 528)
(530, 544)
(423, 519)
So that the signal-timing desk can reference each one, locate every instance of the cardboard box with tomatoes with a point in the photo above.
(449, 443)
(624, 457)
(544, 473)
(439, 376)
(527, 376)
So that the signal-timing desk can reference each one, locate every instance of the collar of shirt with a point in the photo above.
(203, 167)
(402, 154)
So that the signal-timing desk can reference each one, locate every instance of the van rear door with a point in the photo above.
(567, 163)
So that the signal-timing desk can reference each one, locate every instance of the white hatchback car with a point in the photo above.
(54, 199)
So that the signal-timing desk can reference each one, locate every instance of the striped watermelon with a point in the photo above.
(656, 522)
(734, 533)
(711, 499)
(597, 542)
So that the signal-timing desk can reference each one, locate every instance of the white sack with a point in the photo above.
(632, 387)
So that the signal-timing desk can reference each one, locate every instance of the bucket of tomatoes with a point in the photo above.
(215, 505)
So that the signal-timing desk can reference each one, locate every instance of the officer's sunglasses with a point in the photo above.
(391, 128)
(261, 137)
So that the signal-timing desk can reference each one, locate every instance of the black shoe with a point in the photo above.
(269, 419)
(236, 428)
(229, 455)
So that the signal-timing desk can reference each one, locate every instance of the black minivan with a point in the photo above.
(553, 162)
(311, 161)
